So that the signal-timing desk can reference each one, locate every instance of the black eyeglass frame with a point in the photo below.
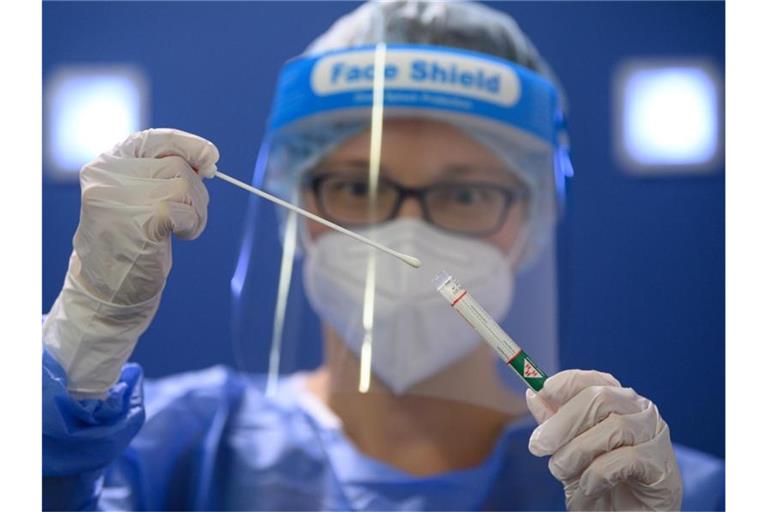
(314, 181)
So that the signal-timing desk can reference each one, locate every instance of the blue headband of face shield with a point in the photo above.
(418, 78)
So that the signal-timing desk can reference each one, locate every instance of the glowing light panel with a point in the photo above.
(88, 111)
(669, 116)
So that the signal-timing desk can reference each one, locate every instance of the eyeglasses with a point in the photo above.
(470, 208)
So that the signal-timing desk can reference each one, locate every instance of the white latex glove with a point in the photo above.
(132, 198)
(608, 445)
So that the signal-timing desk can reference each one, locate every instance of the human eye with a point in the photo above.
(467, 195)
(347, 190)
(352, 187)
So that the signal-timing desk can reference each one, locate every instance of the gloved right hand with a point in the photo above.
(132, 199)
(609, 446)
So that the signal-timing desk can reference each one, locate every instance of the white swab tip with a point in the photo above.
(412, 261)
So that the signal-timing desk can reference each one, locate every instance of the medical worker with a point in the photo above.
(438, 130)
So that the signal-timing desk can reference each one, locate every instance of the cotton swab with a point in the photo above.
(410, 260)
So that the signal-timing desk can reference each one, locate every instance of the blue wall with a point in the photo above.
(641, 260)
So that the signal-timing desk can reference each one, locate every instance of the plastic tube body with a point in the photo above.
(509, 351)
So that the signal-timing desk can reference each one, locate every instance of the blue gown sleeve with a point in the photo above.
(80, 438)
(171, 463)
(147, 446)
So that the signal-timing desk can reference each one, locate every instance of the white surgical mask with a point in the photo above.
(415, 334)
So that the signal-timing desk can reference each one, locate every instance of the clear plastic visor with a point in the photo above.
(464, 195)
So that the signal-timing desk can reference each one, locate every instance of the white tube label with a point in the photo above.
(491, 332)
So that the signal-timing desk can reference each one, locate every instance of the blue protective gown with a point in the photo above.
(210, 440)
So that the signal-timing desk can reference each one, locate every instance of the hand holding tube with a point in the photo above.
(608, 445)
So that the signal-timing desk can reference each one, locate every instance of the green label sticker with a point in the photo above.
(527, 369)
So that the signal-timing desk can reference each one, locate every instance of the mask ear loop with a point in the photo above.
(305, 242)
(517, 254)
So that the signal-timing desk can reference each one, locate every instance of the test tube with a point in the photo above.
(469, 309)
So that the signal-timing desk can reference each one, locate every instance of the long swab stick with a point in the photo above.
(411, 260)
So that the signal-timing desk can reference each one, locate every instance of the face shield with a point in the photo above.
(451, 156)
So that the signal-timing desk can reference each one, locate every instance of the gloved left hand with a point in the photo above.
(135, 197)
(609, 446)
